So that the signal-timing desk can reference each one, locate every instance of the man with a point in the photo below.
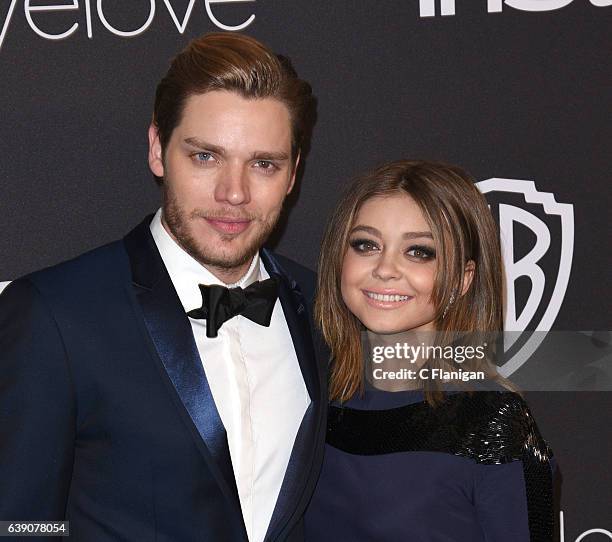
(141, 399)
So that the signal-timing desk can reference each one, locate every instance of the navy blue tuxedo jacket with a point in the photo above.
(101, 390)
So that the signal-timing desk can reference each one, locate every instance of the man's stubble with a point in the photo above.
(178, 219)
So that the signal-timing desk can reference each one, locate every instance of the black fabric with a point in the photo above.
(219, 304)
(488, 427)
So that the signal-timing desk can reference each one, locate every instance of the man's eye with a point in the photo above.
(266, 165)
(203, 157)
(362, 245)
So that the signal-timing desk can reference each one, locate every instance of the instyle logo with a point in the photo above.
(431, 8)
(537, 238)
(37, 14)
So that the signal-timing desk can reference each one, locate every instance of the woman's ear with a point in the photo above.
(468, 276)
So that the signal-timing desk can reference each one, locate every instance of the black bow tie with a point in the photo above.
(219, 304)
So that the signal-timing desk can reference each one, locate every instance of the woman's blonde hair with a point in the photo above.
(463, 229)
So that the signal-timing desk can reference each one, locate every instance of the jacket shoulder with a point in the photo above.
(92, 271)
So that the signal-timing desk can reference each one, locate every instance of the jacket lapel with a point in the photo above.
(174, 346)
(299, 469)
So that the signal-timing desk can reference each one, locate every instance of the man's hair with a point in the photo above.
(237, 63)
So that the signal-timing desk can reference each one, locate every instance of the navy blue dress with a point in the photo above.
(474, 469)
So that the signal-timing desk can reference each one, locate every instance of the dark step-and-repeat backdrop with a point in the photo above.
(516, 91)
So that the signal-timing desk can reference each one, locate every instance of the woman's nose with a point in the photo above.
(386, 268)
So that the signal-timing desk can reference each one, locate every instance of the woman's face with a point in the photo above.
(389, 267)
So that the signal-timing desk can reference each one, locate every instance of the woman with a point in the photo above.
(413, 250)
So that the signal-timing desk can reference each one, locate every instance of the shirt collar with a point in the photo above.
(186, 273)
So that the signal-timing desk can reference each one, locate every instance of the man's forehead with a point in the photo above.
(228, 119)
(219, 103)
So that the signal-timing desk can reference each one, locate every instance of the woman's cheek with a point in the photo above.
(422, 280)
(351, 278)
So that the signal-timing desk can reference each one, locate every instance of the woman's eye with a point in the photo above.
(421, 253)
(363, 245)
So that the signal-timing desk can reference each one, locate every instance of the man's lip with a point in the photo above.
(229, 225)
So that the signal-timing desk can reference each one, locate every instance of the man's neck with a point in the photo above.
(231, 276)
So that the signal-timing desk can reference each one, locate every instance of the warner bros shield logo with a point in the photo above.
(537, 239)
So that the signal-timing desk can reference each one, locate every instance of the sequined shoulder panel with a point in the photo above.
(490, 427)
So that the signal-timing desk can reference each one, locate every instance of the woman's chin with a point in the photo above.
(385, 328)
(391, 328)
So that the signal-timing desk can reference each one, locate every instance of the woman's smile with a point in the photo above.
(386, 300)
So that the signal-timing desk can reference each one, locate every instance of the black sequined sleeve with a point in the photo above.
(510, 434)
(536, 456)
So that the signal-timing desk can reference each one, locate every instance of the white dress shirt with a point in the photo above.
(255, 380)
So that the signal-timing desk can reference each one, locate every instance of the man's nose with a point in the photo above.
(233, 186)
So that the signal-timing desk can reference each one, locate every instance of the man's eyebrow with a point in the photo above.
(204, 146)
(200, 144)
(406, 235)
(270, 155)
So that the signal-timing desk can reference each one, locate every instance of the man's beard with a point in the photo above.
(178, 220)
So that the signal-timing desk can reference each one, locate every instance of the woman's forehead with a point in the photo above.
(396, 212)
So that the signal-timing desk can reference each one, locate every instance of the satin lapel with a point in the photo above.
(300, 462)
(294, 308)
(174, 345)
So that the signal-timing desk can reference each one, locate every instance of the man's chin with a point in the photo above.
(221, 260)
(218, 248)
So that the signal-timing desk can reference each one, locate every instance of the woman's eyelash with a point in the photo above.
(428, 252)
(362, 245)
(367, 245)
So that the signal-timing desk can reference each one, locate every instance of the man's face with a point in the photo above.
(227, 170)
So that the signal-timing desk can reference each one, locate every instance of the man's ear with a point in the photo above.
(468, 276)
(294, 173)
(156, 163)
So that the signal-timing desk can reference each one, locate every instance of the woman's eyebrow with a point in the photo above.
(366, 229)
(405, 235)
(417, 234)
